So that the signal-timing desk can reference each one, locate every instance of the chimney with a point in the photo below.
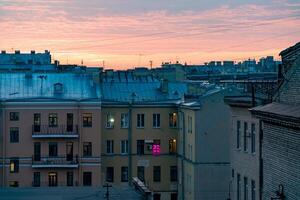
(17, 52)
(3, 52)
(32, 51)
(164, 85)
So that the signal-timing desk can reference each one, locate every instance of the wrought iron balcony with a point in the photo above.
(68, 161)
(60, 131)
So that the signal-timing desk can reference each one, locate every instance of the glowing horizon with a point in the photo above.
(130, 34)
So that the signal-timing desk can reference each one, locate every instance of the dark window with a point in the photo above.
(14, 116)
(173, 120)
(53, 121)
(253, 189)
(109, 146)
(37, 122)
(174, 196)
(173, 173)
(36, 179)
(14, 165)
(141, 173)
(70, 178)
(140, 147)
(14, 134)
(238, 134)
(232, 173)
(52, 149)
(70, 122)
(156, 120)
(37, 151)
(190, 124)
(156, 173)
(87, 178)
(245, 136)
(69, 151)
(87, 120)
(238, 187)
(140, 120)
(124, 174)
(87, 149)
(124, 120)
(252, 138)
(245, 188)
(110, 174)
(124, 146)
(156, 196)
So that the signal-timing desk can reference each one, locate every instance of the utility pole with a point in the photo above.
(151, 64)
(107, 186)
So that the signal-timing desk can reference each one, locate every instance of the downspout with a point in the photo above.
(260, 160)
(79, 142)
(3, 145)
(130, 143)
(183, 155)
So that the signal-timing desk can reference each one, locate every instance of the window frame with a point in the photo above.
(87, 150)
(124, 122)
(14, 135)
(14, 116)
(156, 120)
(87, 120)
(173, 120)
(53, 120)
(140, 120)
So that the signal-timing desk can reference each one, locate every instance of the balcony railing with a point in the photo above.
(55, 162)
(54, 184)
(60, 131)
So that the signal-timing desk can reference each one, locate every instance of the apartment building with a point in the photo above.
(50, 130)
(245, 149)
(203, 164)
(281, 133)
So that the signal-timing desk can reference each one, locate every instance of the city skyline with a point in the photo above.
(130, 34)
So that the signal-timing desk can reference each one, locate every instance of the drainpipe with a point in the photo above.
(183, 155)
(79, 141)
(3, 145)
(130, 143)
(260, 160)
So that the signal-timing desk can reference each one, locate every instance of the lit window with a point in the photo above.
(14, 165)
(110, 121)
(172, 146)
(156, 147)
(173, 120)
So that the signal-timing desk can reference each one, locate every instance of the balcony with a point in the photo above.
(60, 131)
(55, 162)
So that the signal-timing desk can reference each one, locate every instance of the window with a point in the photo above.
(87, 178)
(140, 120)
(53, 120)
(14, 134)
(124, 174)
(141, 173)
(52, 179)
(238, 187)
(190, 124)
(110, 121)
(156, 120)
(124, 120)
(173, 173)
(232, 173)
(252, 138)
(140, 147)
(173, 120)
(156, 196)
(87, 149)
(70, 178)
(36, 179)
(70, 118)
(174, 196)
(52, 149)
(37, 122)
(156, 173)
(156, 147)
(110, 174)
(87, 120)
(253, 190)
(238, 134)
(124, 146)
(13, 184)
(172, 146)
(245, 136)
(109, 146)
(14, 116)
(190, 151)
(245, 188)
(14, 165)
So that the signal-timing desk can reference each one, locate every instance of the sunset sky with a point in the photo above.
(130, 33)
